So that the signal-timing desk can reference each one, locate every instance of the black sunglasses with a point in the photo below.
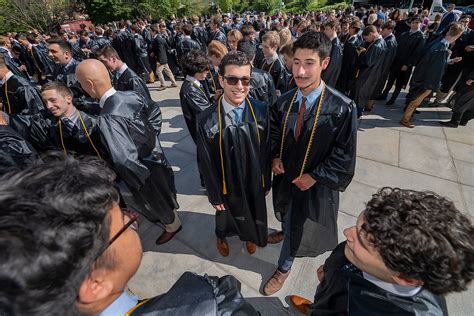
(234, 80)
(133, 223)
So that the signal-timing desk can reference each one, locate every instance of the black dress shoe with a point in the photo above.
(453, 124)
(166, 236)
(381, 97)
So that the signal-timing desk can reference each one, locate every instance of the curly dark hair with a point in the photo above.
(54, 222)
(316, 41)
(233, 58)
(195, 61)
(422, 236)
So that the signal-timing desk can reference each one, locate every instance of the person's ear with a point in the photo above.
(325, 63)
(95, 287)
(403, 280)
(221, 80)
(68, 98)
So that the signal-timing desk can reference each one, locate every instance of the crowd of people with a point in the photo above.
(272, 103)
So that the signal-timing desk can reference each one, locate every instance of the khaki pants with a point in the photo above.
(414, 104)
(174, 226)
(159, 73)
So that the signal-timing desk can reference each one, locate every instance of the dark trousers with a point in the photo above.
(400, 78)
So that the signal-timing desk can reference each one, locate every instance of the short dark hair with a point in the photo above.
(247, 29)
(422, 236)
(316, 41)
(234, 58)
(369, 29)
(54, 222)
(247, 48)
(390, 25)
(63, 44)
(187, 29)
(59, 86)
(416, 18)
(195, 61)
(107, 51)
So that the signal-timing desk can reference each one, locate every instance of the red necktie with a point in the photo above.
(299, 122)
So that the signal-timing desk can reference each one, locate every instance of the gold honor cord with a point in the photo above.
(6, 97)
(213, 81)
(135, 307)
(313, 130)
(224, 185)
(87, 134)
(199, 87)
(271, 66)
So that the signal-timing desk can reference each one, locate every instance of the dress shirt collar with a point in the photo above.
(397, 289)
(310, 98)
(121, 70)
(68, 64)
(271, 59)
(7, 76)
(73, 118)
(193, 80)
(106, 95)
(229, 107)
(124, 303)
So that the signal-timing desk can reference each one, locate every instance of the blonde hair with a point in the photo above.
(285, 36)
(272, 38)
(236, 34)
(216, 48)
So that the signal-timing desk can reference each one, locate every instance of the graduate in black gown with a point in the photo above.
(389, 56)
(6, 50)
(62, 127)
(272, 62)
(17, 94)
(287, 55)
(234, 158)
(370, 65)
(124, 44)
(37, 59)
(429, 71)
(409, 51)
(192, 95)
(346, 80)
(61, 52)
(331, 73)
(313, 136)
(216, 51)
(129, 132)
(262, 87)
(123, 78)
(385, 267)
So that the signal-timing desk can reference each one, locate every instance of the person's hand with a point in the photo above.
(320, 273)
(219, 93)
(22, 68)
(404, 68)
(219, 207)
(469, 82)
(278, 93)
(304, 182)
(277, 166)
(3, 118)
(456, 60)
(469, 48)
(267, 192)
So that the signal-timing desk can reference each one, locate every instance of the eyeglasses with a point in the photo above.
(234, 80)
(133, 223)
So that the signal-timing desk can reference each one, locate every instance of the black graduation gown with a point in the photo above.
(346, 80)
(15, 151)
(10, 63)
(43, 132)
(344, 291)
(262, 87)
(370, 65)
(290, 84)
(194, 100)
(40, 59)
(278, 72)
(331, 73)
(124, 44)
(409, 51)
(331, 162)
(246, 164)
(129, 132)
(200, 35)
(129, 80)
(186, 45)
(429, 71)
(21, 96)
(213, 83)
(195, 295)
(218, 36)
(97, 42)
(388, 57)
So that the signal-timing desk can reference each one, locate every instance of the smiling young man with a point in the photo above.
(313, 137)
(233, 146)
(407, 250)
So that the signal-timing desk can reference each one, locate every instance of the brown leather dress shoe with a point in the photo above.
(166, 236)
(223, 247)
(408, 124)
(251, 247)
(275, 237)
(301, 304)
(275, 283)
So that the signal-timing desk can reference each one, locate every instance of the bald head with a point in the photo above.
(93, 77)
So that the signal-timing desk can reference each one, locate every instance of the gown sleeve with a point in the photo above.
(31, 100)
(123, 152)
(337, 170)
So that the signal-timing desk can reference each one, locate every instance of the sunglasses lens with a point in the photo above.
(232, 81)
(245, 82)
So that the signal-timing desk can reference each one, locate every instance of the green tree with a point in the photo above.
(103, 11)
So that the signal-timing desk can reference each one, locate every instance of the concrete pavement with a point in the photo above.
(427, 157)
